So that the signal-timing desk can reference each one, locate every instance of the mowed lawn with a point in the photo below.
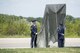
(41, 50)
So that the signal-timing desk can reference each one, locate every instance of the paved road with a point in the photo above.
(25, 42)
(14, 42)
(69, 42)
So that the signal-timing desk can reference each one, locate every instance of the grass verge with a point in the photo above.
(14, 36)
(41, 50)
(28, 36)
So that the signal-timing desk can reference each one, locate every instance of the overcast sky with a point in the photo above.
(35, 8)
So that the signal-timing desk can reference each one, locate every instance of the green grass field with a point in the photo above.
(14, 36)
(28, 36)
(41, 50)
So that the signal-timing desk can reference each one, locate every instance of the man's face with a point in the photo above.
(34, 22)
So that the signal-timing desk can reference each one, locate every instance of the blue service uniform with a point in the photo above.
(61, 37)
(33, 36)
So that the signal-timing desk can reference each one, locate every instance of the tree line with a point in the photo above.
(15, 25)
(18, 25)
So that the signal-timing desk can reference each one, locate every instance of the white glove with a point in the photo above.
(62, 34)
(36, 33)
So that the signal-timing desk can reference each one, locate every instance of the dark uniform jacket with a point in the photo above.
(61, 33)
(33, 30)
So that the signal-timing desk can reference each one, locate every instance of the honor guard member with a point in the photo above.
(61, 35)
(33, 34)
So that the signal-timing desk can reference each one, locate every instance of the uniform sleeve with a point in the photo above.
(34, 29)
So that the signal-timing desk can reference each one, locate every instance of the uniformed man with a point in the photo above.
(61, 35)
(33, 34)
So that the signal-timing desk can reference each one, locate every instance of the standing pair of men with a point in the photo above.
(34, 35)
